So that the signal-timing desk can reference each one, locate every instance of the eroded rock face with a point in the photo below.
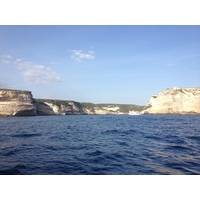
(44, 109)
(65, 108)
(175, 101)
(61, 107)
(16, 103)
(21, 103)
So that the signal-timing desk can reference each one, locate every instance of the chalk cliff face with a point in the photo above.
(60, 107)
(16, 103)
(43, 109)
(175, 101)
(21, 103)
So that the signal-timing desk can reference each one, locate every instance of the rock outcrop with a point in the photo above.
(61, 107)
(175, 101)
(21, 103)
(43, 109)
(16, 103)
(58, 107)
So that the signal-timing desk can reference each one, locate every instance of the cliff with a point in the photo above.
(170, 101)
(16, 103)
(175, 101)
(58, 107)
(62, 107)
(21, 103)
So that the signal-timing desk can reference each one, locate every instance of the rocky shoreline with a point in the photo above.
(175, 101)
(22, 103)
(16, 103)
(170, 101)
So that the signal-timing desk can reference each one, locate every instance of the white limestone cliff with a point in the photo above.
(75, 108)
(175, 101)
(21, 103)
(16, 103)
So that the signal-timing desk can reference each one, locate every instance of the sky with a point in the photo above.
(99, 64)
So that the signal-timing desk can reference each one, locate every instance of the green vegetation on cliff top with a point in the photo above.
(12, 90)
(122, 107)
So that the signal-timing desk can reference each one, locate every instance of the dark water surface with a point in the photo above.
(100, 144)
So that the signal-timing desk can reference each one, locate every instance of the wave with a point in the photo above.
(16, 170)
(26, 135)
(101, 145)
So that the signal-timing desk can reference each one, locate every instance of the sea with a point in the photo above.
(100, 145)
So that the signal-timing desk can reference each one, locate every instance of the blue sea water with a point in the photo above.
(100, 144)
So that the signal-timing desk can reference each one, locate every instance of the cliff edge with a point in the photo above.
(175, 101)
(16, 103)
(22, 103)
(63, 107)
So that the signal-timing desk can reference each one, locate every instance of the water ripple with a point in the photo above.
(120, 144)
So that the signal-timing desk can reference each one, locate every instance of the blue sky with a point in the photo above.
(99, 64)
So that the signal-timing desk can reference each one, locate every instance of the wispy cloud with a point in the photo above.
(19, 60)
(33, 73)
(55, 63)
(6, 56)
(39, 74)
(79, 55)
(6, 62)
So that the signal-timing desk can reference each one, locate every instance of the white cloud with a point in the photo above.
(23, 65)
(6, 62)
(39, 74)
(6, 59)
(19, 60)
(79, 55)
(55, 63)
(6, 56)
(32, 73)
